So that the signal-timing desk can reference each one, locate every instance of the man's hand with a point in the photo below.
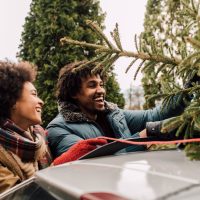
(78, 150)
(154, 130)
(194, 80)
(143, 134)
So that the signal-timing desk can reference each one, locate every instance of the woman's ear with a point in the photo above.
(14, 107)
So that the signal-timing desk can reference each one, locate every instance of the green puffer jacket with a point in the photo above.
(71, 125)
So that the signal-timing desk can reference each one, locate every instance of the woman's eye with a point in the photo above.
(34, 94)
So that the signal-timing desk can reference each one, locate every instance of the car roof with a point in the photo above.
(166, 174)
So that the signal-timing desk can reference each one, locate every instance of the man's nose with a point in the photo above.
(100, 89)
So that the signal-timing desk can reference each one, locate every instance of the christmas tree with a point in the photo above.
(46, 23)
(169, 54)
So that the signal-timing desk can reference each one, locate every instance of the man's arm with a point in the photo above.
(60, 140)
(137, 119)
(143, 134)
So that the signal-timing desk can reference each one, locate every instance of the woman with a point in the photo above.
(23, 149)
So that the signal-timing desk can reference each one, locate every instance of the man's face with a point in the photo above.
(91, 96)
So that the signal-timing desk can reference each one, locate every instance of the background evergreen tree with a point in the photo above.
(172, 51)
(151, 22)
(175, 33)
(47, 22)
(113, 93)
(134, 97)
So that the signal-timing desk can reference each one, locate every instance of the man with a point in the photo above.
(84, 113)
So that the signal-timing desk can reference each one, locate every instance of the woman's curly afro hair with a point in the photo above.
(12, 78)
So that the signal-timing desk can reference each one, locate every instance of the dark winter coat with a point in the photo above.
(71, 125)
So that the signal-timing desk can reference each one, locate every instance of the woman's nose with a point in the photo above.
(40, 101)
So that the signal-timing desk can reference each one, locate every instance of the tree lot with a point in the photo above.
(168, 52)
(47, 22)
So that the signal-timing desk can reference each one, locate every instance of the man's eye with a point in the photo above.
(92, 85)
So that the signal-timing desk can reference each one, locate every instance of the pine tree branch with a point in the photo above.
(140, 55)
(193, 42)
(68, 40)
(116, 37)
(94, 26)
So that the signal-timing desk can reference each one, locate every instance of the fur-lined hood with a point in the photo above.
(72, 112)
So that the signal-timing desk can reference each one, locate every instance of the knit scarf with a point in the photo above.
(18, 141)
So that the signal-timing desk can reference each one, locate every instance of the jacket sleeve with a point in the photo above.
(7, 179)
(60, 139)
(136, 120)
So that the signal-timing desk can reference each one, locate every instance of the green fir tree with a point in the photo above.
(113, 93)
(170, 52)
(151, 21)
(47, 22)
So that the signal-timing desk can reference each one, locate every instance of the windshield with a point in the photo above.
(30, 191)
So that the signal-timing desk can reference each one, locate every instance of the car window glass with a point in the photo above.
(31, 191)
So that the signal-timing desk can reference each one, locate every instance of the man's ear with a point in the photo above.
(74, 96)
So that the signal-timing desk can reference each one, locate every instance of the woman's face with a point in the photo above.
(27, 110)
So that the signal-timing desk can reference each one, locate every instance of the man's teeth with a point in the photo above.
(99, 99)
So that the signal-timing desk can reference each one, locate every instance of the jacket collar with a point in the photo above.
(72, 112)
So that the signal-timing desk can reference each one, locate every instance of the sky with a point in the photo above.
(127, 13)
